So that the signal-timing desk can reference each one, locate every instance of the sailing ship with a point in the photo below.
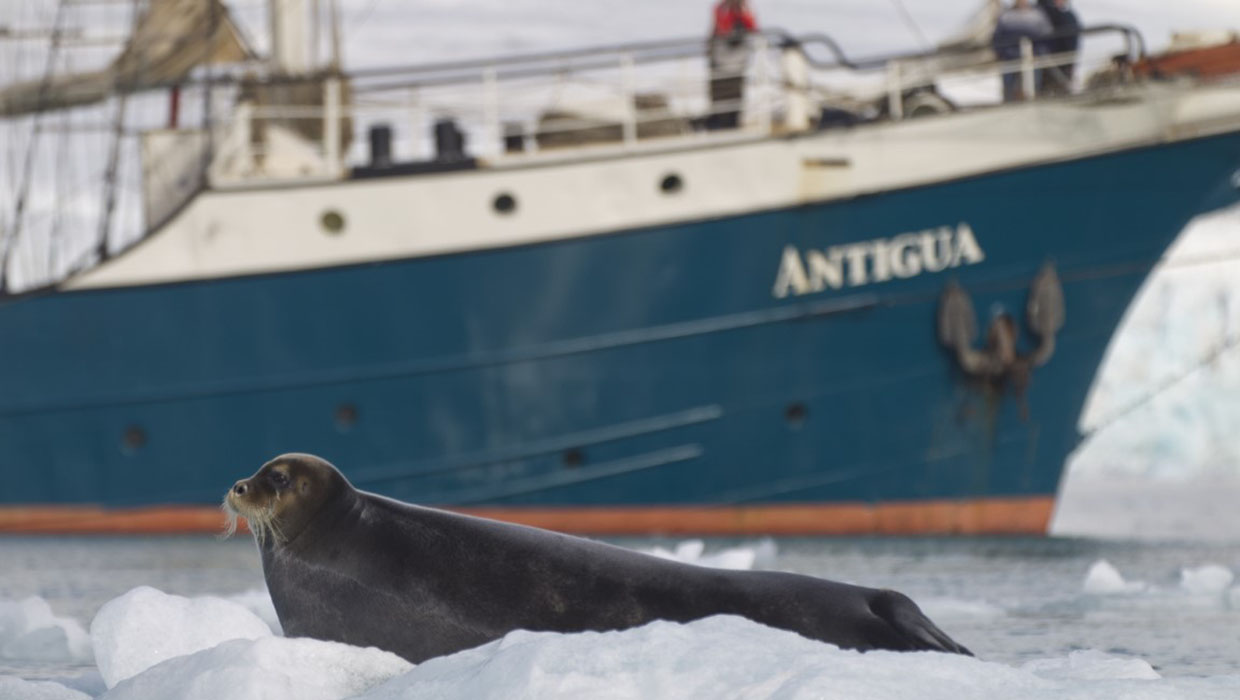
(548, 288)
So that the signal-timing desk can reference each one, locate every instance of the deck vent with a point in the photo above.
(671, 184)
(505, 203)
(381, 146)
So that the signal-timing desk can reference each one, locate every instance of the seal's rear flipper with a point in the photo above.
(908, 622)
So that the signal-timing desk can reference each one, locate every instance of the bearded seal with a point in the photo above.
(349, 566)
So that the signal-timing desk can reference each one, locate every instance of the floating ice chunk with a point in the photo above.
(688, 551)
(1093, 665)
(258, 601)
(759, 555)
(270, 668)
(1104, 579)
(940, 609)
(1211, 579)
(764, 553)
(146, 626)
(718, 657)
(30, 632)
(19, 689)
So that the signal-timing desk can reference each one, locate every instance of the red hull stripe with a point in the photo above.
(994, 516)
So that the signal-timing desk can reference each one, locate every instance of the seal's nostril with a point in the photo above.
(239, 489)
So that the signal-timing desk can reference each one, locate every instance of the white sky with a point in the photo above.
(408, 31)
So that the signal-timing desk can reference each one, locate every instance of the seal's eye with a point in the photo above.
(280, 479)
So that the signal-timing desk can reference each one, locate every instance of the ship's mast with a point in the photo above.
(333, 6)
(290, 36)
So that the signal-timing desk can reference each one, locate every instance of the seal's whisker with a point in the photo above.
(230, 525)
(277, 532)
(274, 524)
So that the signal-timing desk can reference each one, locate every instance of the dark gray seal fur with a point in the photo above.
(348, 566)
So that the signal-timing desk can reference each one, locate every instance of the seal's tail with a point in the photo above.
(911, 625)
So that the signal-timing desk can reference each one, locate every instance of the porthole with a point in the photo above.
(795, 414)
(573, 458)
(346, 417)
(332, 222)
(671, 184)
(504, 203)
(133, 439)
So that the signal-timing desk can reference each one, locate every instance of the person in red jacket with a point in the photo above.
(731, 15)
(729, 55)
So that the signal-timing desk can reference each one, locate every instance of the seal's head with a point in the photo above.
(283, 496)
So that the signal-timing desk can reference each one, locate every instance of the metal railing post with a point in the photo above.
(247, 115)
(628, 91)
(1027, 83)
(417, 124)
(331, 125)
(490, 108)
(796, 86)
(765, 101)
(895, 91)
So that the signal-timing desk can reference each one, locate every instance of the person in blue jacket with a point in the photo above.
(1019, 21)
(1065, 42)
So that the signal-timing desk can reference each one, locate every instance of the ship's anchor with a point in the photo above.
(1000, 360)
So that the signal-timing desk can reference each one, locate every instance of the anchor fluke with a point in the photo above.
(1000, 358)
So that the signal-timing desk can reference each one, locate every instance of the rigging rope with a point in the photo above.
(9, 239)
(911, 23)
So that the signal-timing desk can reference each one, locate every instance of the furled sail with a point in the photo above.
(171, 39)
(968, 47)
(977, 32)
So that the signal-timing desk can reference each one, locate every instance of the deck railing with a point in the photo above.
(628, 95)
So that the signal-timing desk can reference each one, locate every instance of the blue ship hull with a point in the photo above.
(648, 367)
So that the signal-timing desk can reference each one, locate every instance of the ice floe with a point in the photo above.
(269, 668)
(729, 657)
(1093, 665)
(940, 609)
(1207, 580)
(30, 631)
(14, 688)
(146, 626)
(1104, 579)
(757, 556)
(258, 601)
(155, 646)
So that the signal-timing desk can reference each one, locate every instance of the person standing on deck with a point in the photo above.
(1067, 39)
(728, 50)
(1020, 21)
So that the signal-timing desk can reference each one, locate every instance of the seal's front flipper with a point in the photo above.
(907, 621)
